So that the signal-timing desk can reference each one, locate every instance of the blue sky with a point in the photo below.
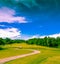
(25, 19)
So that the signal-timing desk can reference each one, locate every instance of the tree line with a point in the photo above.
(47, 41)
(10, 41)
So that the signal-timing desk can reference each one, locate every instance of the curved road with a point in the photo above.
(2, 61)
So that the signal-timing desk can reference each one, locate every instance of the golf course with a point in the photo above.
(29, 31)
(46, 55)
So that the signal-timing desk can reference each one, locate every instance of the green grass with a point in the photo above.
(12, 51)
(47, 55)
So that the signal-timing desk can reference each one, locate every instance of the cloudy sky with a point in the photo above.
(25, 19)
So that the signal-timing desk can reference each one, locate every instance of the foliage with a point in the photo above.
(47, 41)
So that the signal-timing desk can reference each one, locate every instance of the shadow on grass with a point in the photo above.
(1, 48)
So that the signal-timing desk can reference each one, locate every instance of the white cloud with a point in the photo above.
(12, 33)
(42, 36)
(26, 37)
(52, 35)
(7, 15)
(55, 35)
(35, 36)
(39, 36)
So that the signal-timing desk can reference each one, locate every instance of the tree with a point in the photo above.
(2, 41)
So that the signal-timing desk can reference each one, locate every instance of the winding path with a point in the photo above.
(2, 61)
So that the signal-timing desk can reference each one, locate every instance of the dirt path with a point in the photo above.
(2, 61)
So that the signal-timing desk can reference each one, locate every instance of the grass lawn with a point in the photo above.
(9, 51)
(47, 55)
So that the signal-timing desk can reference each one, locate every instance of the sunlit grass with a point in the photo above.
(47, 55)
(9, 51)
(52, 60)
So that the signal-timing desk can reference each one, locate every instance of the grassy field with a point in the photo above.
(47, 55)
(9, 51)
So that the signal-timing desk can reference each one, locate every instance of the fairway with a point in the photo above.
(47, 55)
(12, 51)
